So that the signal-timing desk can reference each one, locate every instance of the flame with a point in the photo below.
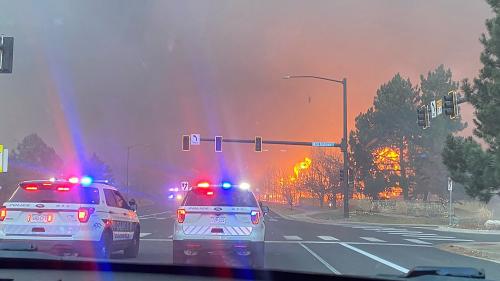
(386, 159)
(302, 166)
(391, 193)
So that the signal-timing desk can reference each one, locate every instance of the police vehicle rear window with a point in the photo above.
(200, 197)
(38, 193)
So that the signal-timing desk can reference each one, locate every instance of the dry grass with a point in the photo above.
(363, 205)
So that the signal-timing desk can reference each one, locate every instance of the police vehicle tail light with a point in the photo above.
(181, 215)
(62, 188)
(244, 185)
(255, 216)
(31, 188)
(3, 213)
(226, 185)
(203, 185)
(210, 193)
(74, 180)
(84, 214)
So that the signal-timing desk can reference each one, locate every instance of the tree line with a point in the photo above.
(33, 159)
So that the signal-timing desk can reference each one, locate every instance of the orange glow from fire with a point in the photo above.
(386, 159)
(391, 193)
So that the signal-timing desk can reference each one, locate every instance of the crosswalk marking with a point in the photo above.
(329, 238)
(292, 237)
(418, 241)
(448, 239)
(372, 239)
(403, 232)
(437, 237)
(421, 234)
(144, 234)
(391, 230)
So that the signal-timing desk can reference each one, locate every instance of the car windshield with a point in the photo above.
(346, 137)
(220, 198)
(74, 195)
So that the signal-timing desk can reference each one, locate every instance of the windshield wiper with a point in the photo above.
(465, 272)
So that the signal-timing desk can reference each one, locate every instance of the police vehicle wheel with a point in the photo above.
(258, 256)
(103, 249)
(179, 258)
(133, 250)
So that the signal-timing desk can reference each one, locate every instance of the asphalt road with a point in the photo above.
(356, 249)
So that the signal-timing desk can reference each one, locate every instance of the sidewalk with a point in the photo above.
(483, 250)
(335, 217)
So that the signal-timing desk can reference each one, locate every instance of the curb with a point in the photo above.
(305, 218)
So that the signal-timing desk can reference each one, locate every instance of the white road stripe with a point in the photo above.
(321, 260)
(144, 234)
(392, 230)
(422, 235)
(272, 219)
(399, 231)
(402, 233)
(328, 238)
(454, 240)
(292, 237)
(418, 241)
(312, 242)
(373, 257)
(372, 239)
(154, 214)
(157, 239)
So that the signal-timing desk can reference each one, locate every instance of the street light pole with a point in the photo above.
(345, 151)
(344, 146)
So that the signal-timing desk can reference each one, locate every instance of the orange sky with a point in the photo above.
(159, 69)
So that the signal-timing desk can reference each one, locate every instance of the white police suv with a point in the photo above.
(222, 219)
(76, 216)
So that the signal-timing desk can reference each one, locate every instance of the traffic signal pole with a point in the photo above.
(278, 142)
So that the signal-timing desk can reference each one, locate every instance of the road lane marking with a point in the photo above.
(272, 219)
(392, 230)
(447, 239)
(154, 214)
(374, 257)
(329, 238)
(372, 239)
(418, 241)
(312, 242)
(422, 234)
(156, 239)
(321, 260)
(144, 234)
(292, 237)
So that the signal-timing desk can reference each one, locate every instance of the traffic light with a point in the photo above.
(423, 117)
(218, 144)
(341, 174)
(6, 54)
(258, 144)
(186, 142)
(450, 104)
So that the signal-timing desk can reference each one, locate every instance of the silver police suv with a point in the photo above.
(221, 219)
